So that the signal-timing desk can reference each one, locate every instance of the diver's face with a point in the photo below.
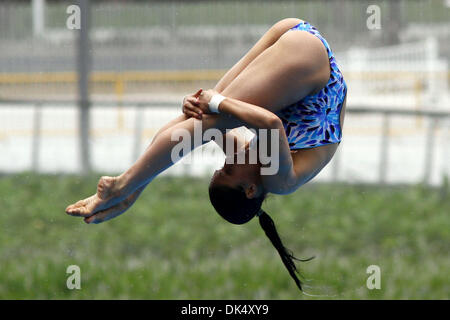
(245, 177)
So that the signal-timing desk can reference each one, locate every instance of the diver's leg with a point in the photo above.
(157, 158)
(266, 41)
(295, 66)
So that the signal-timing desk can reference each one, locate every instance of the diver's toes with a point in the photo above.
(73, 212)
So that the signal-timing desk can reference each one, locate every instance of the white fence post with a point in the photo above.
(429, 149)
(137, 132)
(384, 148)
(432, 65)
(35, 145)
(38, 9)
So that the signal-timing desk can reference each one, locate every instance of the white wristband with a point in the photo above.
(215, 102)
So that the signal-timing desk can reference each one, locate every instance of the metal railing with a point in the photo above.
(384, 147)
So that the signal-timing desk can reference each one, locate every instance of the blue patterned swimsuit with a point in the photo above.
(314, 120)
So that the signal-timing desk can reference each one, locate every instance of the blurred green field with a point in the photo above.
(171, 245)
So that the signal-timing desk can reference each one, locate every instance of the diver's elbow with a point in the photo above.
(274, 122)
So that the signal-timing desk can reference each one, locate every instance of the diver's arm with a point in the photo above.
(289, 176)
(253, 116)
(281, 178)
(297, 168)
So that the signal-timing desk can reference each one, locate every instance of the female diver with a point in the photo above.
(288, 81)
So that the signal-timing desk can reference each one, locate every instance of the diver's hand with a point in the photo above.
(190, 106)
(203, 100)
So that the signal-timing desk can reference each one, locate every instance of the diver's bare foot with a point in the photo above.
(108, 194)
(114, 211)
(107, 188)
(84, 207)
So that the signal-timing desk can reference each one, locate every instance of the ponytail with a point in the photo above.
(286, 255)
(234, 206)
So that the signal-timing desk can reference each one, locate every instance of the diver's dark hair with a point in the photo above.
(234, 206)
(286, 255)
